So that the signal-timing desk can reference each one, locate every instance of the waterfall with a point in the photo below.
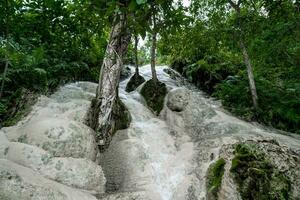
(51, 154)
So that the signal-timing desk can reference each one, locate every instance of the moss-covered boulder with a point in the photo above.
(135, 81)
(121, 116)
(214, 178)
(256, 176)
(154, 94)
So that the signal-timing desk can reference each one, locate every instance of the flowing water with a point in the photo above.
(147, 153)
(158, 157)
(168, 156)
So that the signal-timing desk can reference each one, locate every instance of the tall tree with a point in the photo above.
(153, 47)
(241, 35)
(100, 115)
(136, 59)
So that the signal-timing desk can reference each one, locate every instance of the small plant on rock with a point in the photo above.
(214, 178)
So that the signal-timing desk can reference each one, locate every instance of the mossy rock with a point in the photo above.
(256, 177)
(154, 94)
(121, 116)
(135, 81)
(214, 178)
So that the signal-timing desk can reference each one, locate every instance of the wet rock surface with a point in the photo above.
(51, 154)
(212, 130)
(134, 82)
(178, 99)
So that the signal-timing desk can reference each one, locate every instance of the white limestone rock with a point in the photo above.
(178, 99)
(18, 182)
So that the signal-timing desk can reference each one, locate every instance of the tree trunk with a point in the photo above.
(153, 50)
(136, 41)
(250, 74)
(236, 7)
(100, 115)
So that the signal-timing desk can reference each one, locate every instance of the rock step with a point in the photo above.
(18, 182)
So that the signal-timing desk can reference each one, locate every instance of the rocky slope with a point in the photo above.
(51, 154)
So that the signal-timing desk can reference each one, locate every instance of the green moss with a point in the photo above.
(121, 116)
(255, 175)
(154, 94)
(214, 178)
(135, 81)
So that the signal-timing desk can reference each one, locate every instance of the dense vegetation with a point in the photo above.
(207, 52)
(44, 44)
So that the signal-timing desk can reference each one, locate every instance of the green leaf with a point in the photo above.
(139, 2)
(40, 71)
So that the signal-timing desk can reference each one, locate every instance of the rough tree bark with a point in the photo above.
(153, 48)
(136, 41)
(100, 114)
(247, 61)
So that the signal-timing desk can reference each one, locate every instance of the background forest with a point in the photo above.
(206, 51)
(46, 43)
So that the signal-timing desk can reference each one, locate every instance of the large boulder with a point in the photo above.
(60, 137)
(18, 182)
(259, 169)
(76, 172)
(51, 153)
(135, 81)
(178, 99)
(154, 94)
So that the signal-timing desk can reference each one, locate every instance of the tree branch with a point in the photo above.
(233, 5)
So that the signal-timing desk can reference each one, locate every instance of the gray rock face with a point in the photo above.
(4, 145)
(18, 182)
(281, 157)
(60, 137)
(51, 154)
(178, 99)
(75, 172)
(126, 196)
(213, 132)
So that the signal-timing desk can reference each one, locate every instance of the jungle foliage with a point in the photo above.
(46, 44)
(206, 51)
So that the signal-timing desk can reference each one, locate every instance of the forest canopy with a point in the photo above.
(245, 53)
